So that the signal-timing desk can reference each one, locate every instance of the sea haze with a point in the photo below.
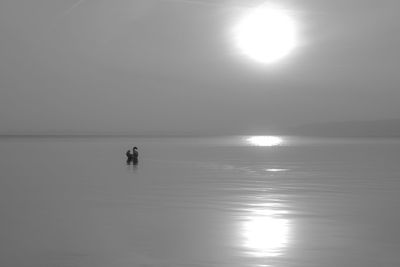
(199, 202)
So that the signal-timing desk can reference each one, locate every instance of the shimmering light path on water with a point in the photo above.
(199, 202)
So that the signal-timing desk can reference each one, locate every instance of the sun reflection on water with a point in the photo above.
(276, 170)
(265, 140)
(265, 232)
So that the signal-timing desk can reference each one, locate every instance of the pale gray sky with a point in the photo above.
(171, 66)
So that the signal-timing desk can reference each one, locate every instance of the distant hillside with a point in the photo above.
(377, 128)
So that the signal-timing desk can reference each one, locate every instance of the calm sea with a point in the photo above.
(199, 202)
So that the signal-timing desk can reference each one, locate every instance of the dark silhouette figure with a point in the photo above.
(129, 157)
(132, 158)
(135, 153)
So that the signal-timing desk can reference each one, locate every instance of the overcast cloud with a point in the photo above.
(162, 66)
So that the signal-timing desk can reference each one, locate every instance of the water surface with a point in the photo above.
(73, 202)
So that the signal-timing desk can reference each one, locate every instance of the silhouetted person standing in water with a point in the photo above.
(129, 157)
(132, 157)
(135, 155)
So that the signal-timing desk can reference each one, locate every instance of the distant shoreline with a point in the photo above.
(77, 136)
(344, 129)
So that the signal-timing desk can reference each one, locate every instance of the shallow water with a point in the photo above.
(73, 202)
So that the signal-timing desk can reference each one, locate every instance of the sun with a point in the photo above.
(265, 34)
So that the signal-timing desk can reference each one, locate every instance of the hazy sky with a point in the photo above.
(172, 66)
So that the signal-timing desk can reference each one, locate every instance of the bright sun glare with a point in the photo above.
(266, 235)
(266, 34)
(265, 140)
